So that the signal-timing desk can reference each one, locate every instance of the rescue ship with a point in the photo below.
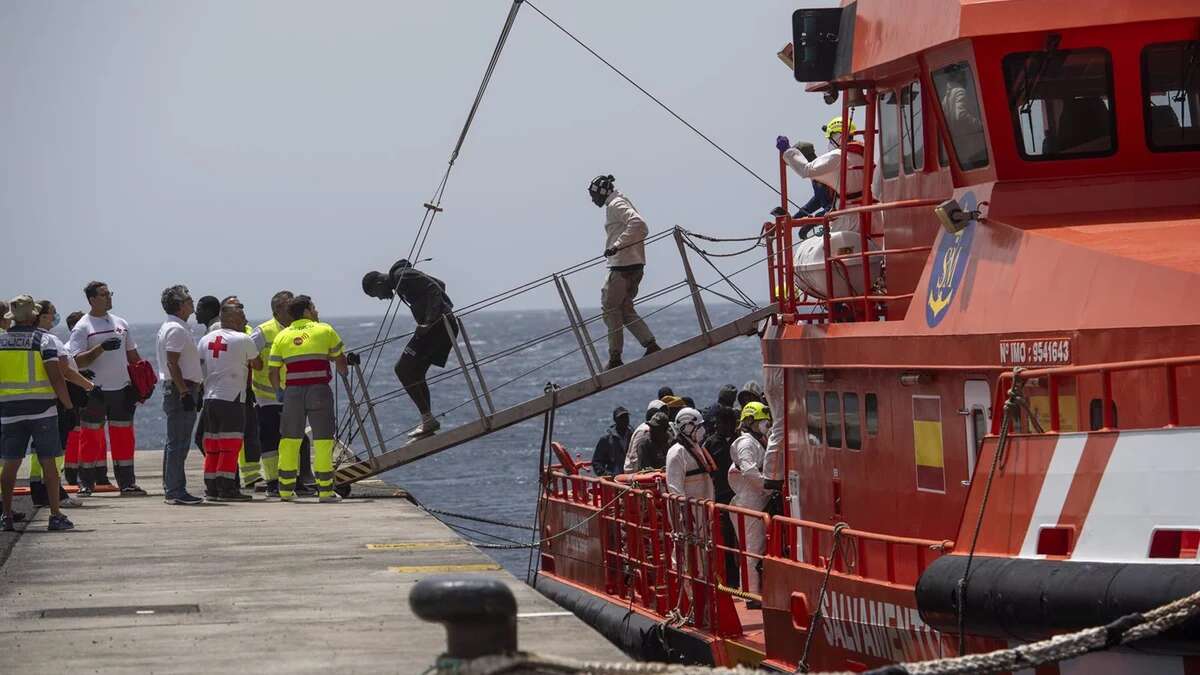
(989, 387)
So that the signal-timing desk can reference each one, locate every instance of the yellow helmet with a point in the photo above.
(834, 126)
(755, 411)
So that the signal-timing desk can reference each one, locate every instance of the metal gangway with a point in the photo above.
(365, 450)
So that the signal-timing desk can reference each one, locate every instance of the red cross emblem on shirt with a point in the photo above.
(217, 346)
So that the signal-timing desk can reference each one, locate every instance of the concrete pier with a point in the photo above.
(264, 587)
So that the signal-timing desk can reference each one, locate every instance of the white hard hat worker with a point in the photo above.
(746, 475)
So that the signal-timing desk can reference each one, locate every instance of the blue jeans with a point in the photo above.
(180, 425)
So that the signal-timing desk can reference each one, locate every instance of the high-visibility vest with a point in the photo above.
(305, 348)
(22, 371)
(260, 380)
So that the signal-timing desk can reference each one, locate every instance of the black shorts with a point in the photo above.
(432, 346)
(115, 405)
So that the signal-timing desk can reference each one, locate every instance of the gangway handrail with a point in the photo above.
(469, 365)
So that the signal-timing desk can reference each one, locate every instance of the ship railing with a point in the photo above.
(665, 552)
(870, 556)
(1070, 378)
(803, 306)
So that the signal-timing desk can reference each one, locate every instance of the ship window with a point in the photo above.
(1061, 103)
(979, 426)
(871, 403)
(888, 137)
(912, 129)
(1096, 414)
(853, 430)
(955, 87)
(1171, 94)
(943, 158)
(812, 403)
(833, 420)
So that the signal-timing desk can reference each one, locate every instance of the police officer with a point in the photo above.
(31, 380)
(306, 347)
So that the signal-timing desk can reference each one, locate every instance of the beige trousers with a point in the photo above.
(616, 299)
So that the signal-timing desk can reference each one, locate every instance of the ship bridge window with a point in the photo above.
(833, 420)
(955, 87)
(912, 129)
(1061, 103)
(1171, 95)
(888, 136)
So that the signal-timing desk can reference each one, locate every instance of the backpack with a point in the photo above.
(143, 378)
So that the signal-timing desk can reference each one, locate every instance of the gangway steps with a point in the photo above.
(414, 450)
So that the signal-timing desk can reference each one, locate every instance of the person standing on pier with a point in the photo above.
(180, 372)
(101, 342)
(432, 339)
(306, 347)
(267, 404)
(227, 353)
(625, 249)
(31, 380)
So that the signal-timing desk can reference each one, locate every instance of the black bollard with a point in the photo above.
(480, 614)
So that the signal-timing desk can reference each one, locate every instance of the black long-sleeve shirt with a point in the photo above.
(425, 295)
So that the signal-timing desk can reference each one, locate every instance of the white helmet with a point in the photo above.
(689, 424)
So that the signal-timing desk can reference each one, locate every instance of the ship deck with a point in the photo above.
(304, 587)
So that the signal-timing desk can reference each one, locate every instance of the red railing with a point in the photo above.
(780, 266)
(665, 552)
(867, 555)
(1057, 376)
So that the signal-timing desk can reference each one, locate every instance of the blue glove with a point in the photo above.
(782, 143)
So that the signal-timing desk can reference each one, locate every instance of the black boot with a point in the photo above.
(127, 481)
(87, 481)
(273, 488)
(100, 474)
(210, 489)
(71, 475)
(229, 491)
(37, 492)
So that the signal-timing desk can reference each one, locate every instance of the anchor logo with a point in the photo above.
(949, 263)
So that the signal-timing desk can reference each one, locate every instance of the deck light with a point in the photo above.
(952, 216)
(913, 379)
(816, 376)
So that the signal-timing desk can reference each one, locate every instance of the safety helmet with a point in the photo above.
(601, 186)
(689, 423)
(834, 126)
(755, 411)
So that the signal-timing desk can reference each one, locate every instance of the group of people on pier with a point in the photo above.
(254, 391)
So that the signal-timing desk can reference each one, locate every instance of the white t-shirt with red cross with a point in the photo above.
(111, 368)
(226, 355)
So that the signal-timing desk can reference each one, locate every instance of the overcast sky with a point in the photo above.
(243, 147)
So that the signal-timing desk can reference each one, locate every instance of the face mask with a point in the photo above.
(762, 426)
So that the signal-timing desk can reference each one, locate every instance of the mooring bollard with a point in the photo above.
(480, 615)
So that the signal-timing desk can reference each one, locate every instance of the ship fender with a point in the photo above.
(1027, 600)
(638, 636)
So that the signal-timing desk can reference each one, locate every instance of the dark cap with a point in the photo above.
(659, 421)
(727, 395)
(665, 391)
(620, 411)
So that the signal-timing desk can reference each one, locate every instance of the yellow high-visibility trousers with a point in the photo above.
(289, 466)
(323, 466)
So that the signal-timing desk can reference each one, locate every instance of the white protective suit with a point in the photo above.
(827, 169)
(631, 458)
(773, 462)
(680, 463)
(746, 479)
